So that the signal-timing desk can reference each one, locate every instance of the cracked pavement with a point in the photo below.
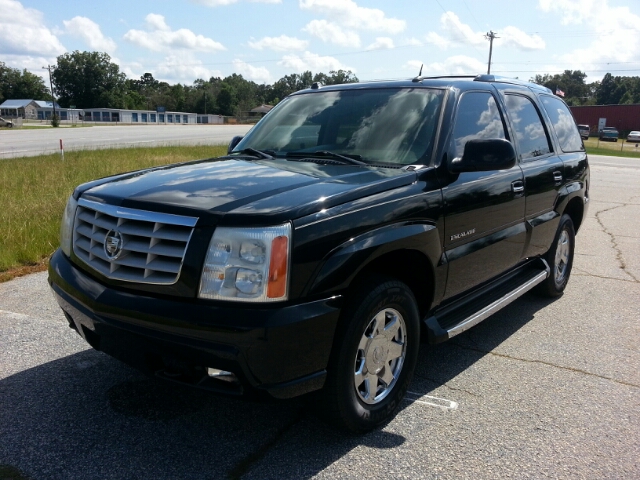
(541, 389)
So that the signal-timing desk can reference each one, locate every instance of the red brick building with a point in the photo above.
(623, 117)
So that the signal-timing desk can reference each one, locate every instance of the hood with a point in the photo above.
(268, 190)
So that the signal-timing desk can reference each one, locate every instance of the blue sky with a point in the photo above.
(181, 40)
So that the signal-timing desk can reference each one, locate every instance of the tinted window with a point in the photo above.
(385, 125)
(531, 136)
(478, 117)
(563, 124)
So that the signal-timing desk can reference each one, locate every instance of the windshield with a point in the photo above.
(384, 126)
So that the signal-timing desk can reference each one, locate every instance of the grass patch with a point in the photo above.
(615, 149)
(34, 192)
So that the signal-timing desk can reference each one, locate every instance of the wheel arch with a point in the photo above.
(407, 252)
(575, 210)
(420, 278)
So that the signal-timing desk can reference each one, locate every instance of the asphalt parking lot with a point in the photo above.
(541, 389)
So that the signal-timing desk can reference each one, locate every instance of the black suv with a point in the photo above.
(349, 223)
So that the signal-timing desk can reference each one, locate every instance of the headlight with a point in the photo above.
(247, 264)
(66, 227)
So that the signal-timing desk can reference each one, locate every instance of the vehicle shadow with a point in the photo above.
(89, 416)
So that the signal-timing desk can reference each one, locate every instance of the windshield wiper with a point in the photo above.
(256, 153)
(350, 160)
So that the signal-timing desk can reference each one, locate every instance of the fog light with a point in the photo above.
(222, 375)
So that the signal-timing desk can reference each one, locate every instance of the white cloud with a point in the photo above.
(132, 69)
(182, 68)
(457, 33)
(572, 11)
(414, 66)
(222, 3)
(615, 31)
(332, 33)
(438, 40)
(214, 3)
(90, 32)
(412, 42)
(282, 43)
(349, 14)
(514, 37)
(257, 74)
(381, 43)
(23, 32)
(455, 65)
(313, 62)
(159, 37)
(156, 22)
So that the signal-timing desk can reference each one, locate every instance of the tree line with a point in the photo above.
(609, 91)
(91, 79)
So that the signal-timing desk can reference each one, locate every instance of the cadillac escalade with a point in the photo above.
(351, 222)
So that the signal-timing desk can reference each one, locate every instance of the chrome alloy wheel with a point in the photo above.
(380, 356)
(563, 250)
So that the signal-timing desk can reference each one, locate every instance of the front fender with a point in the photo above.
(345, 262)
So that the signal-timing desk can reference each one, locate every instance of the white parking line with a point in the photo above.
(13, 315)
(441, 403)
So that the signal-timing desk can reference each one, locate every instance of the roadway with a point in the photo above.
(543, 388)
(43, 140)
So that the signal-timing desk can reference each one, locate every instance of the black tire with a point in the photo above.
(362, 354)
(560, 259)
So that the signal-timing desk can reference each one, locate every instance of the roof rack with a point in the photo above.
(436, 77)
(512, 81)
(484, 78)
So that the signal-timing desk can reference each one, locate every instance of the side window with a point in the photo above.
(563, 124)
(531, 136)
(478, 117)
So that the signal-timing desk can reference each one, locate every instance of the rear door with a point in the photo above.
(542, 166)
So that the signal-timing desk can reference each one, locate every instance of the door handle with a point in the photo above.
(557, 176)
(517, 186)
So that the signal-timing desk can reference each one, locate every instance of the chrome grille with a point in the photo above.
(142, 246)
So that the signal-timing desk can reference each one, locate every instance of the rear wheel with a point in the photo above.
(374, 356)
(560, 259)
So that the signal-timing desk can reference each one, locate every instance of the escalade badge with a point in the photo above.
(458, 236)
(113, 244)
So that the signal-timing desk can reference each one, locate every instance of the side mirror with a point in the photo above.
(482, 155)
(232, 144)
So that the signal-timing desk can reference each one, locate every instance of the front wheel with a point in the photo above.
(560, 259)
(374, 356)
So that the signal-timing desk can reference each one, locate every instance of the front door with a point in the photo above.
(484, 211)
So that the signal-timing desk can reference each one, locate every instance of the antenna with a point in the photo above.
(490, 36)
(420, 73)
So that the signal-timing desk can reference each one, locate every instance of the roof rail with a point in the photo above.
(436, 77)
(512, 81)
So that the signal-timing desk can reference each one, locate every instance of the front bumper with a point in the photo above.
(283, 350)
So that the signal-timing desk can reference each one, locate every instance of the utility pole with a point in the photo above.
(490, 36)
(49, 67)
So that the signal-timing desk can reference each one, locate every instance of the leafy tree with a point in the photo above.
(341, 76)
(89, 79)
(617, 90)
(571, 82)
(226, 99)
(16, 84)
